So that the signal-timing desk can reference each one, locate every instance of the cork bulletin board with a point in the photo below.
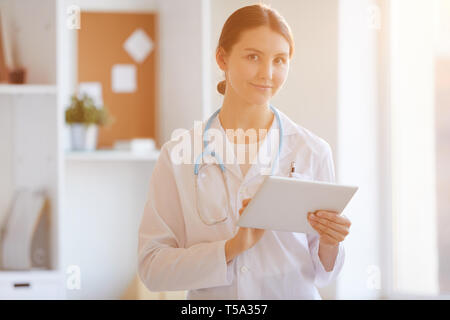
(101, 41)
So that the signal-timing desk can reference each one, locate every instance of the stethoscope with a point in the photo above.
(198, 167)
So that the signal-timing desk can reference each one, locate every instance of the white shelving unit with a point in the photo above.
(23, 89)
(102, 155)
(110, 155)
(29, 136)
(94, 196)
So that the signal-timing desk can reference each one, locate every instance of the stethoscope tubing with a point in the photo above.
(219, 161)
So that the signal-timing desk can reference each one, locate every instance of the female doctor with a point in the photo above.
(188, 236)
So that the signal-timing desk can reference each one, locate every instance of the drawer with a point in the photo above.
(31, 285)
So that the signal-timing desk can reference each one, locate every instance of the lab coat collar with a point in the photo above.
(289, 128)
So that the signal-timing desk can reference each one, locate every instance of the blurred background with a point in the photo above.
(91, 89)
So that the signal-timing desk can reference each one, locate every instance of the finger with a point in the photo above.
(323, 235)
(315, 226)
(246, 201)
(333, 216)
(330, 224)
(328, 231)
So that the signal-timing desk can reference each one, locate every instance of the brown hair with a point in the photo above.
(247, 18)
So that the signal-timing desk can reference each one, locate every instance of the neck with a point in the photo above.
(241, 115)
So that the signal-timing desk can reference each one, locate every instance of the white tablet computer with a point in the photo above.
(282, 203)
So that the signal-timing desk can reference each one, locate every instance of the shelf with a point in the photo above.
(33, 273)
(15, 89)
(110, 155)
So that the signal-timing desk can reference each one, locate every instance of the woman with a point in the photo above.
(188, 238)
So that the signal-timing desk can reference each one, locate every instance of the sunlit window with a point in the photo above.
(420, 149)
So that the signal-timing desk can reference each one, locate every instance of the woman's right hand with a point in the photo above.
(244, 239)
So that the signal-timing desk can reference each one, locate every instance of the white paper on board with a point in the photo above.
(138, 45)
(123, 78)
(93, 90)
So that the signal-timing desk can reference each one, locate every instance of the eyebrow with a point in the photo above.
(259, 51)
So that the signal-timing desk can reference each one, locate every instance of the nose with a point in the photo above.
(265, 70)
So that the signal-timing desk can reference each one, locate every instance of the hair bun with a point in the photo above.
(221, 87)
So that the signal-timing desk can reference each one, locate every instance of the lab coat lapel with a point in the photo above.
(289, 129)
(289, 132)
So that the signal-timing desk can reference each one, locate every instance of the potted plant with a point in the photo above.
(84, 117)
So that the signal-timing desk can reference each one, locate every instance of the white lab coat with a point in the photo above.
(177, 251)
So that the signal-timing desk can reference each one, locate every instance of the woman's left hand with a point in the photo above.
(332, 227)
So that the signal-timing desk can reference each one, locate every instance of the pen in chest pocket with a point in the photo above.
(292, 171)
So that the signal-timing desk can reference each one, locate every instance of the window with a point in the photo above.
(420, 146)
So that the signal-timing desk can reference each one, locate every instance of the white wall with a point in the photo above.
(442, 28)
(357, 148)
(184, 82)
(104, 202)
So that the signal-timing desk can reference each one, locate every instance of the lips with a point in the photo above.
(260, 86)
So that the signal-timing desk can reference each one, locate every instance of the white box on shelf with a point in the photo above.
(32, 285)
(135, 145)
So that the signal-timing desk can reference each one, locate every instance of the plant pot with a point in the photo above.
(84, 137)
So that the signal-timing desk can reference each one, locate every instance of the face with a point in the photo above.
(257, 66)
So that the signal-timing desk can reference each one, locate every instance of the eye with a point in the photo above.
(252, 55)
(281, 59)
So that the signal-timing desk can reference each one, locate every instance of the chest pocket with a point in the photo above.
(302, 176)
(306, 175)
